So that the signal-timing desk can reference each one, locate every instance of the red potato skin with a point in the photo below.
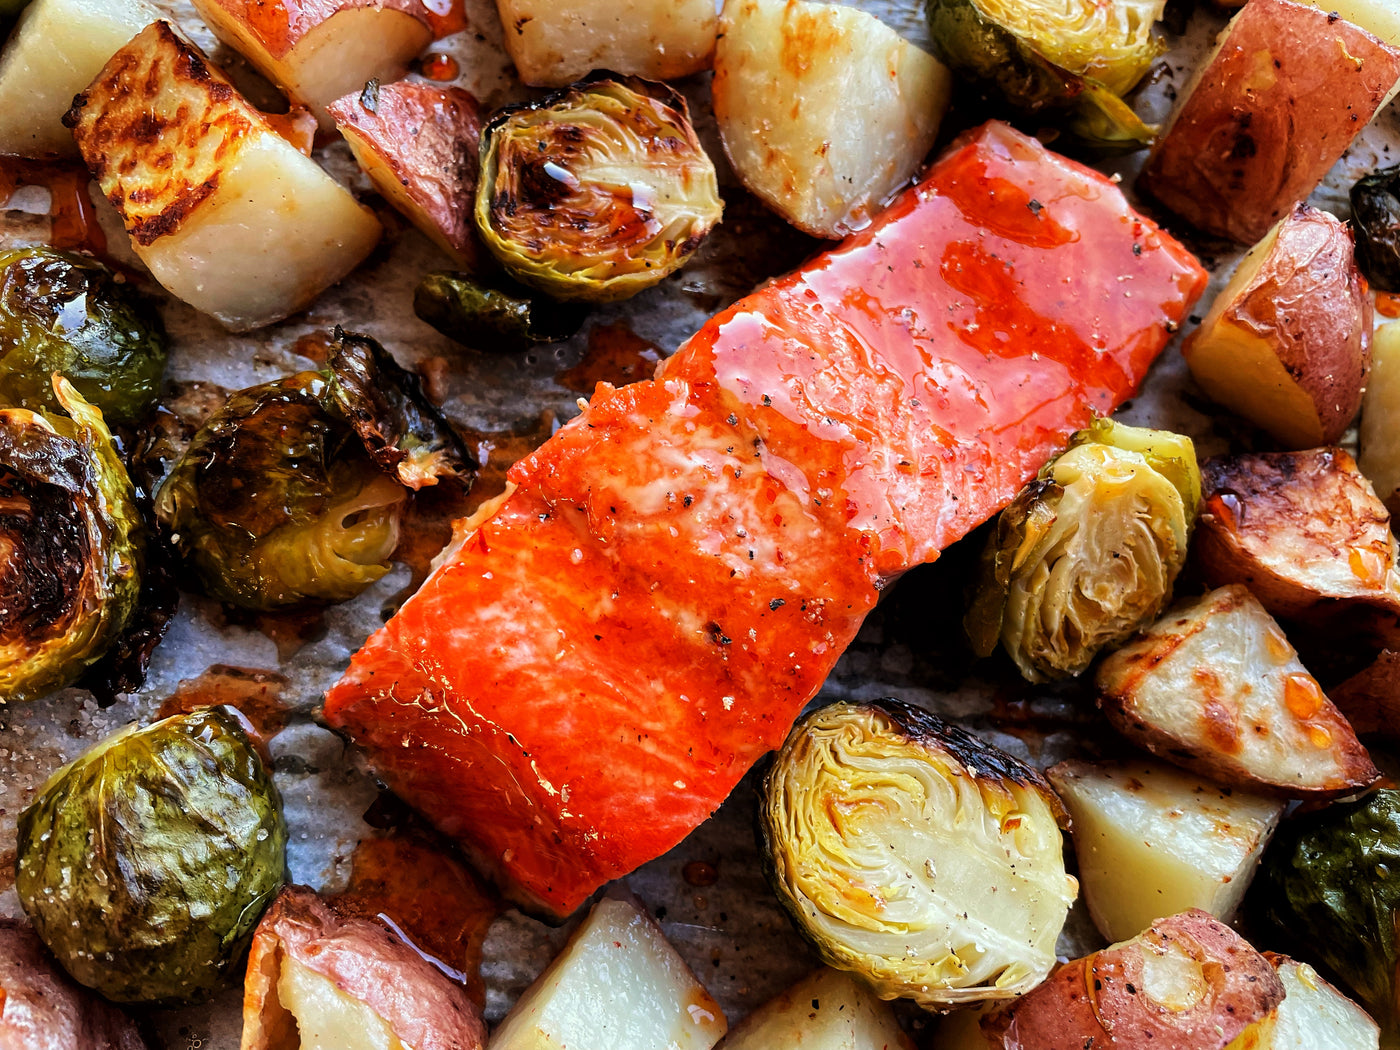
(588, 675)
(428, 136)
(423, 1007)
(1100, 1000)
(282, 25)
(1279, 104)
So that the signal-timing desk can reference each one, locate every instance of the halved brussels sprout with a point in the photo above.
(1331, 883)
(1087, 552)
(145, 863)
(66, 313)
(477, 315)
(70, 545)
(1375, 217)
(916, 855)
(292, 492)
(598, 191)
(1071, 60)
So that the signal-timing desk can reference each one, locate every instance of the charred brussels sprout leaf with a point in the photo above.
(1331, 882)
(401, 429)
(66, 313)
(487, 318)
(1069, 62)
(915, 855)
(1087, 552)
(145, 864)
(292, 493)
(73, 536)
(1375, 216)
(598, 191)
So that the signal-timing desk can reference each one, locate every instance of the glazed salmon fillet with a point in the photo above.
(595, 664)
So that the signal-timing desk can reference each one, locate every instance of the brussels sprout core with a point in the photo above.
(66, 313)
(70, 534)
(145, 863)
(1088, 552)
(597, 192)
(916, 855)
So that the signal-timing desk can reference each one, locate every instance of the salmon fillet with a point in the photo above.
(595, 665)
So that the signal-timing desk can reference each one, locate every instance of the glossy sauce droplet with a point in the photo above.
(253, 693)
(1227, 507)
(439, 68)
(1302, 695)
(297, 126)
(615, 355)
(445, 17)
(269, 22)
(73, 221)
(700, 873)
(1388, 304)
(1277, 643)
(1368, 565)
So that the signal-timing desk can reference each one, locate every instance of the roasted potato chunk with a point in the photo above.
(828, 1010)
(1268, 115)
(1315, 1016)
(1304, 531)
(1187, 981)
(1287, 344)
(1370, 699)
(1215, 686)
(1379, 458)
(824, 110)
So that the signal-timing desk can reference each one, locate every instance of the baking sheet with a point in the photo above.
(732, 933)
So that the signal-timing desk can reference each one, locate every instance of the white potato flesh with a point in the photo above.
(828, 1010)
(1380, 417)
(617, 985)
(54, 52)
(1153, 840)
(554, 42)
(327, 1018)
(825, 111)
(1315, 1016)
(317, 60)
(228, 216)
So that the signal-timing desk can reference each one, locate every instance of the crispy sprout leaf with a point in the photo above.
(70, 545)
(915, 855)
(598, 191)
(477, 315)
(1375, 214)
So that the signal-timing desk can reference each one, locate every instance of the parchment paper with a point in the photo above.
(733, 933)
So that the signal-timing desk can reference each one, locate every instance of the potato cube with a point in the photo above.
(54, 52)
(554, 42)
(227, 214)
(1152, 840)
(827, 1010)
(617, 985)
(1380, 418)
(1315, 1016)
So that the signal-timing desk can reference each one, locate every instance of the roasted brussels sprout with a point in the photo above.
(65, 313)
(145, 863)
(1073, 61)
(477, 315)
(1087, 552)
(1331, 883)
(1375, 217)
(916, 855)
(293, 491)
(598, 191)
(72, 540)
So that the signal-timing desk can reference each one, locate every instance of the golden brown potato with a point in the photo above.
(1270, 112)
(1303, 530)
(1214, 686)
(824, 110)
(318, 50)
(1370, 699)
(41, 1008)
(1287, 343)
(555, 42)
(1187, 981)
(228, 215)
(1379, 458)
(314, 977)
(418, 143)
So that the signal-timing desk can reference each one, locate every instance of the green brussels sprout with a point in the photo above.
(462, 308)
(145, 863)
(915, 855)
(1331, 883)
(293, 492)
(72, 537)
(66, 313)
(1067, 62)
(598, 191)
(1375, 216)
(1088, 552)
